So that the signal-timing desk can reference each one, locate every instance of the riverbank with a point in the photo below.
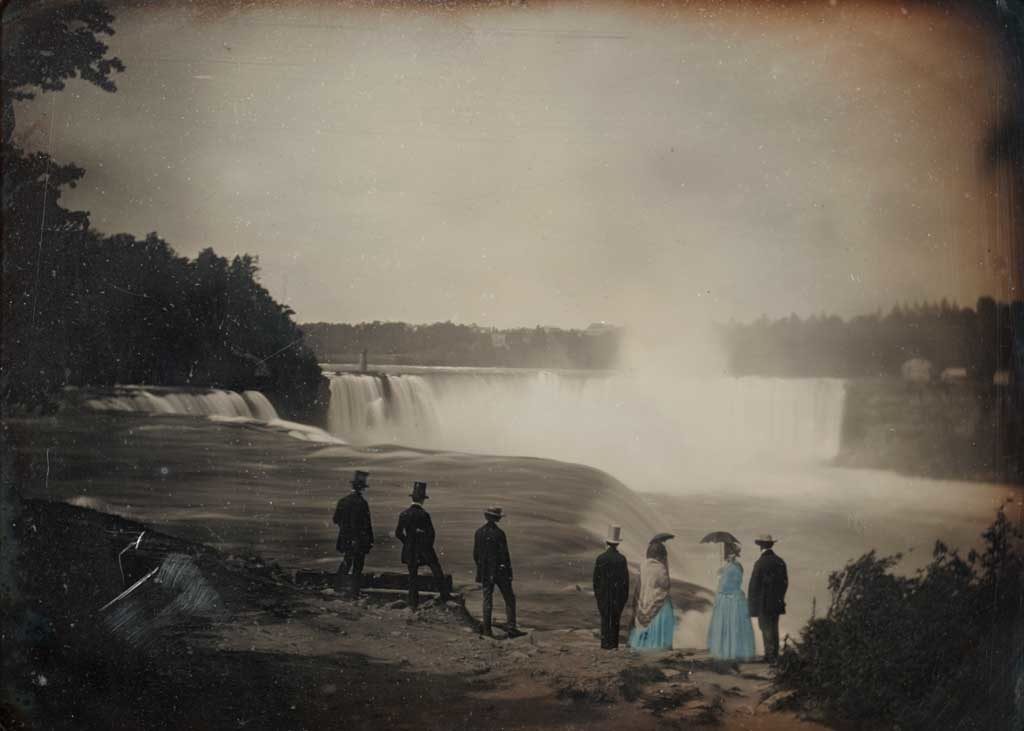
(274, 656)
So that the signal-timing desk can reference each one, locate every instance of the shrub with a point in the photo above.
(941, 649)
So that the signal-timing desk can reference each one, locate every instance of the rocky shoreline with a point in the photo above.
(274, 655)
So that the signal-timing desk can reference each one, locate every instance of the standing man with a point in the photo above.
(416, 532)
(355, 532)
(494, 568)
(611, 588)
(766, 595)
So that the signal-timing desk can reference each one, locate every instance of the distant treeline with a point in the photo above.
(449, 344)
(83, 309)
(979, 340)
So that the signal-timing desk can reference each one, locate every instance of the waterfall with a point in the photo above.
(618, 422)
(378, 408)
(260, 405)
(215, 402)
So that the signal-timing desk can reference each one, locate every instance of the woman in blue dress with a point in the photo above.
(730, 635)
(654, 620)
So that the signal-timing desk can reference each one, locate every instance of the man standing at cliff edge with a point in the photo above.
(766, 595)
(355, 531)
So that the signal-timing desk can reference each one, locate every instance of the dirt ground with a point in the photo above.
(262, 653)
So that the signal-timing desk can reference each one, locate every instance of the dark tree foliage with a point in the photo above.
(449, 344)
(47, 43)
(941, 649)
(83, 309)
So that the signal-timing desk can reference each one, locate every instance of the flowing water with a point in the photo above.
(212, 402)
(648, 434)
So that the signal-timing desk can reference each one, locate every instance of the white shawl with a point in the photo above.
(653, 591)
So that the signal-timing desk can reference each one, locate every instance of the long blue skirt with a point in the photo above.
(730, 634)
(658, 634)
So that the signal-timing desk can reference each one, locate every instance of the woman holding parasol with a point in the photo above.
(654, 620)
(730, 634)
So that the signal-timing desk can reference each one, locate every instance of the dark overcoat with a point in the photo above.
(355, 531)
(416, 532)
(766, 594)
(490, 553)
(611, 581)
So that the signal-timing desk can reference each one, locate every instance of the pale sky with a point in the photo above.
(559, 165)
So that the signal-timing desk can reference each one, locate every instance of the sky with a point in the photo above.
(557, 164)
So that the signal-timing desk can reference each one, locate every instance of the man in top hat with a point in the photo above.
(355, 532)
(494, 568)
(766, 595)
(611, 588)
(416, 532)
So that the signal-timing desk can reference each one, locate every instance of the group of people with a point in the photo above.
(730, 634)
(415, 530)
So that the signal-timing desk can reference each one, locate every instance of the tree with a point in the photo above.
(47, 43)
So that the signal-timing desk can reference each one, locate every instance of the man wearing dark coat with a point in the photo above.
(416, 532)
(766, 595)
(611, 588)
(355, 531)
(494, 568)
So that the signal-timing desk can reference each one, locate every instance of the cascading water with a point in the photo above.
(215, 402)
(630, 426)
(260, 405)
(367, 409)
(224, 407)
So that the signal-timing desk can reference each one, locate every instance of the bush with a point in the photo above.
(941, 649)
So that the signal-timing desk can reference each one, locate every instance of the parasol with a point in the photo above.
(720, 536)
(662, 537)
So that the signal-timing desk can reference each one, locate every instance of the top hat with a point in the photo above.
(614, 534)
(494, 512)
(419, 491)
(359, 479)
(765, 540)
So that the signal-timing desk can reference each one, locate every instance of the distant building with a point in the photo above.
(953, 375)
(917, 370)
(601, 328)
(499, 340)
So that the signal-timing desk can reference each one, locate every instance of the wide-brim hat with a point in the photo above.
(765, 539)
(359, 478)
(495, 512)
(419, 491)
(614, 534)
